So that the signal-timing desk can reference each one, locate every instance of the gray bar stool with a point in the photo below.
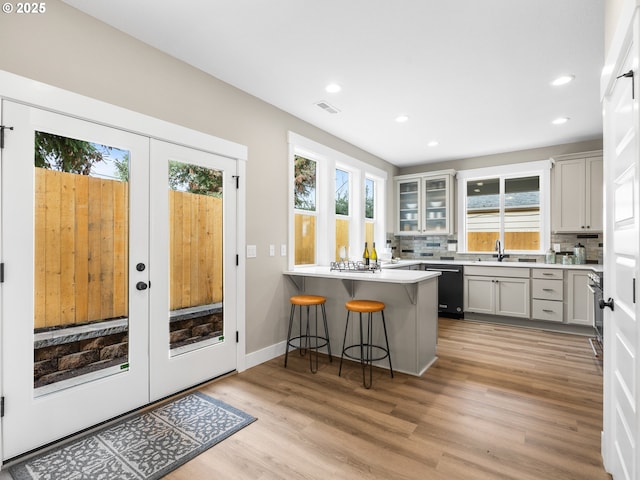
(311, 340)
(365, 346)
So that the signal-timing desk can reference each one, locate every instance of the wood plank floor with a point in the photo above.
(500, 403)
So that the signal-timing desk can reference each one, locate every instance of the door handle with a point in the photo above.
(141, 286)
(608, 303)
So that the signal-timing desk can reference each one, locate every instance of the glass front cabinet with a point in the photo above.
(425, 204)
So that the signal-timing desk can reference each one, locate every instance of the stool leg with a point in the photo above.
(303, 350)
(384, 326)
(286, 352)
(314, 346)
(344, 341)
(326, 332)
(369, 357)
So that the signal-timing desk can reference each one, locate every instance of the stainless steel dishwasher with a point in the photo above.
(450, 289)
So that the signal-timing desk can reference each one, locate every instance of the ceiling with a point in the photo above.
(473, 75)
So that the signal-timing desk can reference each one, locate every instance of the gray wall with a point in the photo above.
(71, 50)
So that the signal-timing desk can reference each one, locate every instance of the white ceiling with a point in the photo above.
(472, 74)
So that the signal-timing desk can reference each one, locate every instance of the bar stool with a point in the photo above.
(311, 341)
(366, 347)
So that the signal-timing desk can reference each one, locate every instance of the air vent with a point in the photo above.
(327, 108)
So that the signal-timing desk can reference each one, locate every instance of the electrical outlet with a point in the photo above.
(283, 250)
(556, 247)
(272, 250)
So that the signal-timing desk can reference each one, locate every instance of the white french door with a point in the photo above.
(621, 432)
(115, 285)
(192, 220)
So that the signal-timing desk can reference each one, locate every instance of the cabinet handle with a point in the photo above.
(547, 310)
(547, 290)
(547, 273)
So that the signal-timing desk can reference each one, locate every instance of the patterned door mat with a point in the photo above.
(144, 447)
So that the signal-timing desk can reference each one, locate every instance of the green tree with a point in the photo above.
(122, 167)
(304, 183)
(55, 152)
(195, 179)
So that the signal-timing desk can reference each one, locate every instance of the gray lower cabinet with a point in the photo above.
(497, 291)
(579, 301)
(547, 292)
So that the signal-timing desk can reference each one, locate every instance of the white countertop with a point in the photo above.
(385, 275)
(405, 263)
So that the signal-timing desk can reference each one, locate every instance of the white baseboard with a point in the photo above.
(264, 355)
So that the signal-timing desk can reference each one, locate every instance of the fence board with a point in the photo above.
(52, 242)
(81, 257)
(40, 254)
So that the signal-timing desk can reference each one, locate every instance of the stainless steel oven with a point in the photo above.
(595, 286)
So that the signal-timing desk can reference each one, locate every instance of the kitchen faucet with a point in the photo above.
(500, 250)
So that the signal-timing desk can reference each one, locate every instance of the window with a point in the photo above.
(369, 211)
(342, 214)
(337, 204)
(512, 207)
(305, 172)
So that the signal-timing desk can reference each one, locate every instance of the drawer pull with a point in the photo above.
(547, 273)
(546, 310)
(547, 290)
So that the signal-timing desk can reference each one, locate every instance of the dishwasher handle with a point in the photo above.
(443, 270)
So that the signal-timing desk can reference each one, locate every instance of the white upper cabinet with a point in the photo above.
(577, 193)
(425, 204)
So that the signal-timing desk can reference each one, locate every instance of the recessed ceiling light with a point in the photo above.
(333, 88)
(476, 190)
(563, 80)
(402, 118)
(432, 143)
(480, 184)
(560, 121)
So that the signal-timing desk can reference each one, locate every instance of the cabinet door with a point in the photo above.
(512, 297)
(437, 205)
(594, 194)
(409, 206)
(578, 302)
(479, 294)
(569, 196)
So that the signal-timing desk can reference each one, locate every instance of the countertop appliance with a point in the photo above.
(596, 285)
(450, 289)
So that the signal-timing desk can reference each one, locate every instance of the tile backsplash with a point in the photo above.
(437, 246)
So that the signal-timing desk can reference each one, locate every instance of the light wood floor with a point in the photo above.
(500, 403)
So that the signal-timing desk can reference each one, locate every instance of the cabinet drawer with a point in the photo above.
(548, 273)
(547, 289)
(547, 310)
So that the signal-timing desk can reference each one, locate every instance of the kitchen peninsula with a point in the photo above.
(411, 300)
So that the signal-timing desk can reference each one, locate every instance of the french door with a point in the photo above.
(115, 293)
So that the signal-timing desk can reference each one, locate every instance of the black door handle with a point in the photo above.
(141, 286)
(608, 303)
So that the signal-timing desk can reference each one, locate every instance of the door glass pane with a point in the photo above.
(81, 221)
(483, 214)
(522, 213)
(196, 257)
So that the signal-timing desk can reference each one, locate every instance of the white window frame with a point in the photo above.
(327, 160)
(541, 168)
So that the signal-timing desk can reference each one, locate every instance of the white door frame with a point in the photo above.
(23, 90)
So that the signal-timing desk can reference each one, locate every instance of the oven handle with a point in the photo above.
(590, 287)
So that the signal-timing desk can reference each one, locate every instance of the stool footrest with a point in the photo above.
(319, 342)
(366, 346)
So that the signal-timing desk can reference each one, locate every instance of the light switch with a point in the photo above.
(272, 250)
(252, 251)
(283, 250)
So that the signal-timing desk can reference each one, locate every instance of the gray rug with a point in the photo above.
(144, 447)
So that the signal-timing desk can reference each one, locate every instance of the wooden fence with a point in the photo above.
(81, 249)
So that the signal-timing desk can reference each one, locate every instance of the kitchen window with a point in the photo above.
(337, 204)
(509, 204)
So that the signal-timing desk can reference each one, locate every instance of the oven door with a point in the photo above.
(598, 314)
